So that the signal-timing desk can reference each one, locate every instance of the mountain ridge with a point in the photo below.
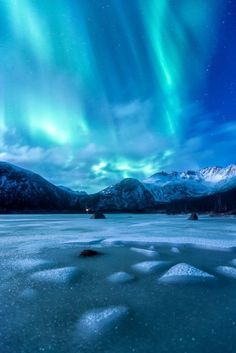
(22, 190)
(167, 187)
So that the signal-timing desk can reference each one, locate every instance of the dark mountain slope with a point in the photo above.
(21, 190)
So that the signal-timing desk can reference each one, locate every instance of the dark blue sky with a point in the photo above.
(92, 91)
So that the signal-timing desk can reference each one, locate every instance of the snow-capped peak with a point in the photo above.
(218, 174)
(209, 174)
(176, 185)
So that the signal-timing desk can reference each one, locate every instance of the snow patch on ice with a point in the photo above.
(58, 275)
(98, 321)
(149, 266)
(146, 252)
(227, 271)
(120, 277)
(83, 242)
(110, 242)
(199, 242)
(184, 273)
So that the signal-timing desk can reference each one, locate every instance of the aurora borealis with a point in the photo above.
(92, 91)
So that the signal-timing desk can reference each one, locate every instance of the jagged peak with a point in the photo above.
(217, 174)
(210, 174)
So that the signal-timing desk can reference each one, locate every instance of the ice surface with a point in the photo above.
(41, 231)
(146, 252)
(227, 271)
(98, 321)
(46, 320)
(58, 275)
(120, 277)
(185, 273)
(149, 266)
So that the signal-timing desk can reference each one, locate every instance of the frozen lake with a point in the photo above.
(162, 284)
(33, 232)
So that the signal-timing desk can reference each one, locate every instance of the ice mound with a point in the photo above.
(98, 321)
(57, 275)
(27, 264)
(149, 266)
(175, 250)
(120, 277)
(84, 242)
(184, 273)
(146, 252)
(115, 242)
(233, 262)
(28, 293)
(227, 271)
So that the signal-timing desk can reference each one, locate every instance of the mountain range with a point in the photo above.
(211, 189)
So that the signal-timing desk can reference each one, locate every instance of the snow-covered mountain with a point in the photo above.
(218, 174)
(209, 189)
(129, 194)
(166, 187)
(163, 190)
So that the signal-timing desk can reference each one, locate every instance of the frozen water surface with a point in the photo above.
(54, 301)
(28, 293)
(40, 230)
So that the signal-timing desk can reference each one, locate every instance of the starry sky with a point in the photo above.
(93, 91)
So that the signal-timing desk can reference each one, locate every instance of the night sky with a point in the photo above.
(92, 91)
